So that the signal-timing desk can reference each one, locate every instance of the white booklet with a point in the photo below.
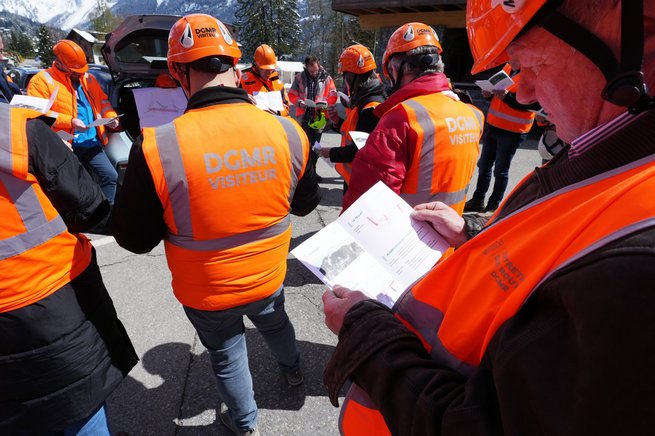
(269, 101)
(497, 82)
(374, 247)
(42, 105)
(359, 138)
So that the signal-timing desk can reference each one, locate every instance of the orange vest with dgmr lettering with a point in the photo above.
(446, 134)
(38, 255)
(503, 116)
(350, 124)
(457, 308)
(226, 190)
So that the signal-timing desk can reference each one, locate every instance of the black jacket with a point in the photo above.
(62, 356)
(137, 219)
(576, 359)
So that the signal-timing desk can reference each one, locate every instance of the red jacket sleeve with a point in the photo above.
(385, 157)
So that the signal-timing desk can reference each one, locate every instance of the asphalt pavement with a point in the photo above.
(172, 390)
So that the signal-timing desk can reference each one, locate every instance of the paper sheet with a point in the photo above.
(359, 138)
(269, 101)
(158, 106)
(497, 82)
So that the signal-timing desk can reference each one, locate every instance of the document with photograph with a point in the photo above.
(42, 105)
(374, 247)
(497, 82)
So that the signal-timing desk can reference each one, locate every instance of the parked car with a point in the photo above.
(21, 76)
(102, 75)
(135, 53)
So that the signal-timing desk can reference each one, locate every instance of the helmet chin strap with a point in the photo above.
(625, 80)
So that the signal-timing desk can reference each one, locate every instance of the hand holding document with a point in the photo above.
(315, 104)
(269, 101)
(374, 247)
(497, 82)
(103, 121)
(359, 138)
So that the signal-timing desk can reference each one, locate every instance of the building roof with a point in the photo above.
(390, 13)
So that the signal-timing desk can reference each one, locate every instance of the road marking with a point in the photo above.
(103, 241)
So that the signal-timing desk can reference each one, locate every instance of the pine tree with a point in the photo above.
(103, 20)
(287, 31)
(44, 46)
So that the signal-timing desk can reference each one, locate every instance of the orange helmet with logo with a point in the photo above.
(493, 24)
(71, 56)
(408, 37)
(197, 36)
(265, 58)
(356, 59)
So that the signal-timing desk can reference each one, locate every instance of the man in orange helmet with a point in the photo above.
(263, 76)
(540, 324)
(219, 194)
(426, 143)
(312, 92)
(79, 102)
(365, 92)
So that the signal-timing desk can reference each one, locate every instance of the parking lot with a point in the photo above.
(172, 390)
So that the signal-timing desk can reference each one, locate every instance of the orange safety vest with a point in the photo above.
(44, 84)
(457, 308)
(349, 125)
(446, 134)
(502, 116)
(226, 190)
(252, 83)
(38, 255)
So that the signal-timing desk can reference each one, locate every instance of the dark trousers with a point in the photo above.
(498, 149)
(313, 136)
(96, 161)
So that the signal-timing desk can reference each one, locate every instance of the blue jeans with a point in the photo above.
(95, 158)
(498, 149)
(94, 425)
(223, 334)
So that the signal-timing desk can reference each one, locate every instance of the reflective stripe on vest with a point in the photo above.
(37, 254)
(350, 124)
(426, 166)
(48, 77)
(505, 117)
(488, 279)
(178, 192)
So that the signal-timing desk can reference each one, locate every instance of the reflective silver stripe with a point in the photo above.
(25, 241)
(175, 176)
(448, 198)
(426, 163)
(230, 241)
(25, 200)
(510, 118)
(429, 319)
(48, 77)
(296, 151)
(479, 116)
(6, 163)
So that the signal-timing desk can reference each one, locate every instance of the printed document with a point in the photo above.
(359, 138)
(374, 247)
(158, 106)
(318, 104)
(42, 105)
(269, 101)
(497, 82)
(103, 121)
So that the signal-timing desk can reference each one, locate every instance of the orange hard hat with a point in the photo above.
(356, 59)
(197, 36)
(165, 80)
(408, 37)
(492, 25)
(71, 56)
(265, 58)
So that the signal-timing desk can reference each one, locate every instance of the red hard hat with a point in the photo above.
(492, 25)
(408, 37)
(356, 59)
(197, 36)
(71, 56)
(265, 58)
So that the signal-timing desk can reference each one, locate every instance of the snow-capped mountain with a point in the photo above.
(66, 14)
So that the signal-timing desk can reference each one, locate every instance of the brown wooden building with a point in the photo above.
(448, 17)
